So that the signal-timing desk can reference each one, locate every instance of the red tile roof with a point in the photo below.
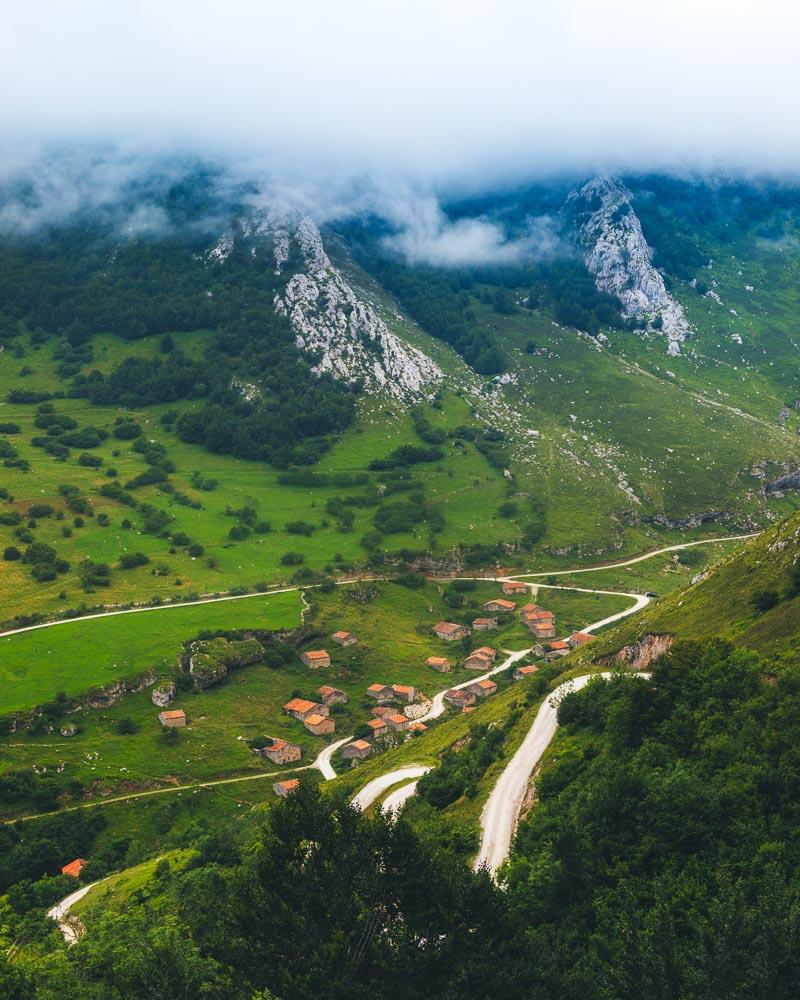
(299, 705)
(74, 868)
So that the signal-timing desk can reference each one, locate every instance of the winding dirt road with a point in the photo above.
(375, 788)
(502, 809)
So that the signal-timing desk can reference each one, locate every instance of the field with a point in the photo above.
(74, 657)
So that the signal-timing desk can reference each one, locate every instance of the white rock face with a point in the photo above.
(621, 261)
(347, 334)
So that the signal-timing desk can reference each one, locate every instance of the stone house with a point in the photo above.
(514, 587)
(404, 692)
(284, 788)
(553, 650)
(460, 697)
(332, 695)
(418, 727)
(173, 718)
(483, 688)
(300, 708)
(477, 661)
(344, 638)
(315, 658)
(281, 752)
(525, 671)
(580, 639)
(319, 725)
(381, 692)
(531, 609)
(487, 651)
(382, 711)
(357, 750)
(450, 631)
(484, 624)
(397, 723)
(499, 604)
(439, 663)
(378, 727)
(544, 629)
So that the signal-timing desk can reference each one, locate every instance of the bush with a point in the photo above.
(127, 727)
(292, 559)
(130, 560)
(764, 600)
(89, 461)
(127, 430)
(299, 528)
(238, 532)
(11, 553)
(40, 510)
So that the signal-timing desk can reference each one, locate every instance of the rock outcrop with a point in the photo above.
(209, 660)
(641, 653)
(346, 335)
(343, 334)
(164, 694)
(621, 261)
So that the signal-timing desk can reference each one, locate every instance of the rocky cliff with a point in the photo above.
(343, 331)
(621, 261)
(344, 334)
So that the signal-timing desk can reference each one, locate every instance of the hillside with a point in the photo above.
(153, 382)
(750, 598)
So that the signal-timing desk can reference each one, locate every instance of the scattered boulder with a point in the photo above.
(69, 729)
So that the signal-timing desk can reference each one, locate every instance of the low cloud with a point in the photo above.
(426, 236)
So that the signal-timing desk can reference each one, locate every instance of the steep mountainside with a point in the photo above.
(619, 257)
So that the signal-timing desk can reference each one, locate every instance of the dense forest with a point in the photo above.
(663, 860)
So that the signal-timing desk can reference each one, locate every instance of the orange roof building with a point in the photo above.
(378, 727)
(301, 708)
(404, 691)
(499, 604)
(450, 631)
(356, 750)
(440, 663)
(316, 658)
(284, 788)
(344, 638)
(74, 868)
(172, 719)
(319, 725)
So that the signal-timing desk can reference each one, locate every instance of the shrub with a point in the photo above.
(40, 510)
(89, 461)
(299, 528)
(292, 558)
(11, 552)
(130, 560)
(763, 600)
(127, 430)
(127, 727)
(238, 532)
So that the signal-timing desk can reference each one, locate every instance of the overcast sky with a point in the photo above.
(426, 88)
